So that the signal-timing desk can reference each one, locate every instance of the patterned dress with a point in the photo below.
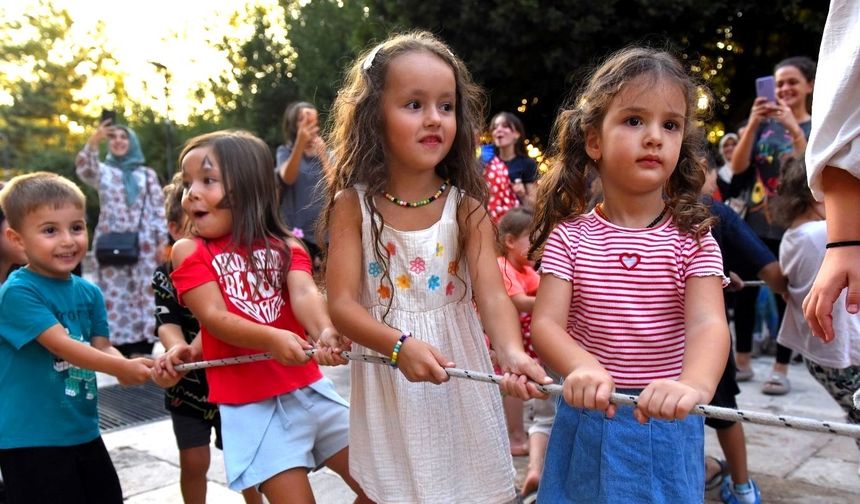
(419, 442)
(501, 194)
(127, 289)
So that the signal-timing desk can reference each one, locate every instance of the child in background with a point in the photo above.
(193, 416)
(53, 337)
(834, 364)
(409, 240)
(521, 282)
(630, 299)
(248, 282)
(10, 255)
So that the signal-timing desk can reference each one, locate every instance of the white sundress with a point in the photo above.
(420, 442)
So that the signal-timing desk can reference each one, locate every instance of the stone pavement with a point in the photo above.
(790, 466)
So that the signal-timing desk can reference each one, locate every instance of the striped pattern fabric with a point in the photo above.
(627, 304)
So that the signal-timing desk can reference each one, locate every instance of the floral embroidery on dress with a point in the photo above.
(374, 269)
(453, 267)
(384, 292)
(434, 282)
(449, 289)
(417, 265)
(440, 249)
(390, 248)
(404, 282)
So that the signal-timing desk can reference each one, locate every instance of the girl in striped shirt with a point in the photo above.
(630, 296)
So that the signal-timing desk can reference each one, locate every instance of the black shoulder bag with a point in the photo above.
(121, 248)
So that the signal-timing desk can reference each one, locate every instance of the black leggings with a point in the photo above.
(745, 303)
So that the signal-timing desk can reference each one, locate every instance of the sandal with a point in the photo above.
(717, 479)
(531, 498)
(777, 384)
(744, 375)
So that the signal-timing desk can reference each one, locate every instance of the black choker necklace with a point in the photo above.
(601, 213)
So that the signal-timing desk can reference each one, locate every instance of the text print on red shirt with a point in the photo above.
(254, 296)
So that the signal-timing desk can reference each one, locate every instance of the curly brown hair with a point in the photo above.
(563, 192)
(357, 129)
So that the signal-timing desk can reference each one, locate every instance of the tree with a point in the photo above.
(326, 36)
(530, 54)
(252, 95)
(45, 110)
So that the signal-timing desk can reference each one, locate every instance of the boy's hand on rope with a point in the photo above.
(590, 386)
(164, 373)
(329, 346)
(288, 348)
(134, 371)
(420, 361)
(667, 400)
(521, 372)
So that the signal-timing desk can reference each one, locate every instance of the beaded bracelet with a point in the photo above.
(396, 351)
(847, 243)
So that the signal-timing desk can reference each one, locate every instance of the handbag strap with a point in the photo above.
(145, 197)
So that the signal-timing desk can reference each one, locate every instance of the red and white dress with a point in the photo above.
(502, 196)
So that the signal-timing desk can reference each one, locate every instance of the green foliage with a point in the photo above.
(538, 51)
(326, 36)
(46, 103)
(528, 54)
(260, 70)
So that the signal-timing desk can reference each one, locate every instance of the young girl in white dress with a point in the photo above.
(409, 241)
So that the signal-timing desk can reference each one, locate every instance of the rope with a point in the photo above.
(791, 422)
(753, 283)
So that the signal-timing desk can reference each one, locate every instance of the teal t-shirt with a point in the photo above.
(44, 400)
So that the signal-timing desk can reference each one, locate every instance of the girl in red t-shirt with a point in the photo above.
(248, 281)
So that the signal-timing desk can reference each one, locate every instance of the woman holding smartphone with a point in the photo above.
(776, 132)
(130, 200)
(300, 166)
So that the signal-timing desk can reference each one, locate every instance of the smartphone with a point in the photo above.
(765, 87)
(108, 115)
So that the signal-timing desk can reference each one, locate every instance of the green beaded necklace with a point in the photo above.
(419, 203)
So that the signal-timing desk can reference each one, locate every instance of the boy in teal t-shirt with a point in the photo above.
(53, 337)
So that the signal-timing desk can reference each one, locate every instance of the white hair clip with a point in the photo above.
(368, 61)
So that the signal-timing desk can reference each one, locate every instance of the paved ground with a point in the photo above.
(790, 466)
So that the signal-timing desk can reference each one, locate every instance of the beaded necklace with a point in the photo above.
(599, 210)
(419, 203)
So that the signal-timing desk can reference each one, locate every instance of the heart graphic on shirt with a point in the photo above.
(628, 260)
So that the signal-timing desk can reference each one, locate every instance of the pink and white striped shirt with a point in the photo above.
(627, 304)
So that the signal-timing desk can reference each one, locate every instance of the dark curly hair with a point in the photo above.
(563, 191)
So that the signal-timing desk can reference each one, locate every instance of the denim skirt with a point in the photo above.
(594, 459)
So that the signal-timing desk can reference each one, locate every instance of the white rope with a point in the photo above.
(753, 283)
(792, 422)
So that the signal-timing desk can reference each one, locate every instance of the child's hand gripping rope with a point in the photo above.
(792, 422)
